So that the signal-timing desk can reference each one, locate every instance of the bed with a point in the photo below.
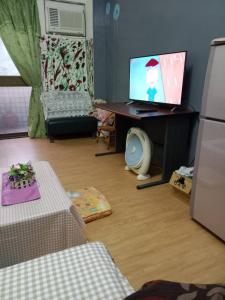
(82, 272)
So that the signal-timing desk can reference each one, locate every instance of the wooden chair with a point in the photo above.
(106, 131)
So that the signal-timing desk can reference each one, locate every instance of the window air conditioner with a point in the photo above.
(65, 18)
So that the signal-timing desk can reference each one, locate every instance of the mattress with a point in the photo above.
(81, 272)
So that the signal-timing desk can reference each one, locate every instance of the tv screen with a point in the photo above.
(157, 78)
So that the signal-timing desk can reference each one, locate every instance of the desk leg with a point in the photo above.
(106, 153)
(123, 124)
(150, 184)
(176, 145)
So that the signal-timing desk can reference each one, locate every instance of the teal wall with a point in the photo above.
(147, 26)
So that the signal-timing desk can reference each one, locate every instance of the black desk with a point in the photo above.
(171, 129)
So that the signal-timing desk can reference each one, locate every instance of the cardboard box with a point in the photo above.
(181, 182)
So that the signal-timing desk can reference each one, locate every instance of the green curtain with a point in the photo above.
(20, 32)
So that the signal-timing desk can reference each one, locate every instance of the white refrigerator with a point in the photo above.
(208, 193)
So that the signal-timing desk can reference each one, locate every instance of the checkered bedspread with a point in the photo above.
(79, 273)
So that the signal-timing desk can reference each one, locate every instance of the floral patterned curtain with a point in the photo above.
(63, 61)
(90, 66)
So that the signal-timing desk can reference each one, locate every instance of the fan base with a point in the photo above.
(143, 177)
(139, 176)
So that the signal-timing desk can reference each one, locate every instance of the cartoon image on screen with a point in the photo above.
(157, 78)
(153, 78)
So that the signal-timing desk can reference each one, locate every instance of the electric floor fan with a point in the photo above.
(139, 149)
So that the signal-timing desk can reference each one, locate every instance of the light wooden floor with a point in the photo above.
(150, 234)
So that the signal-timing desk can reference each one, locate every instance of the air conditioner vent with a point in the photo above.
(65, 18)
(53, 17)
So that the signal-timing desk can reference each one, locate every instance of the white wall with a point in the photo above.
(89, 15)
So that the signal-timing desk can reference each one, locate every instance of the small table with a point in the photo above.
(49, 224)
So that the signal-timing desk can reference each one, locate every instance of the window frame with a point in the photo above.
(9, 81)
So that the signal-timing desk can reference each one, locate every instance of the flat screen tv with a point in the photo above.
(157, 78)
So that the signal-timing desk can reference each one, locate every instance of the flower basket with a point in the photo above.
(21, 176)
